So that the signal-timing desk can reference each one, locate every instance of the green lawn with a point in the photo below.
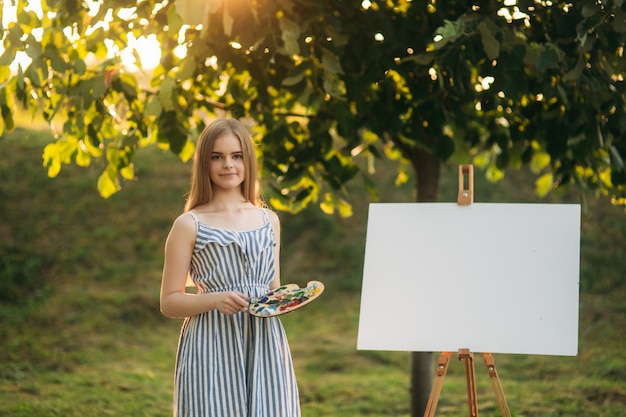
(81, 333)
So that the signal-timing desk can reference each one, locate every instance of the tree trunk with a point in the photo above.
(427, 170)
(422, 374)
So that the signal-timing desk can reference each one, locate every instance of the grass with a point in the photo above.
(81, 333)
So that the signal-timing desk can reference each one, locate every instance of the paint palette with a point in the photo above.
(285, 299)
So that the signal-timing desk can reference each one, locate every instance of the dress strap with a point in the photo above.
(265, 216)
(195, 218)
(269, 225)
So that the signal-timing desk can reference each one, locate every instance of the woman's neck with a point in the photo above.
(223, 203)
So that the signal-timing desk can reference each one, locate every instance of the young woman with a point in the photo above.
(229, 363)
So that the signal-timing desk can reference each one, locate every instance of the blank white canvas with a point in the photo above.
(487, 277)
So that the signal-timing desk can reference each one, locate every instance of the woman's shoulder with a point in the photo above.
(185, 221)
(183, 231)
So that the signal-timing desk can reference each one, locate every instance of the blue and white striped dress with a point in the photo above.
(234, 365)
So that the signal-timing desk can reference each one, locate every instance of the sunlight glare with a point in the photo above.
(484, 83)
(211, 62)
(149, 51)
(517, 13)
(147, 47)
(127, 13)
(9, 15)
(180, 51)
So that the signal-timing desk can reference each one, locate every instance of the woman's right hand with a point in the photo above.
(231, 302)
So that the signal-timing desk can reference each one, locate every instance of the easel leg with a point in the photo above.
(496, 385)
(468, 357)
(442, 368)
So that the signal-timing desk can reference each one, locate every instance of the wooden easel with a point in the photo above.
(466, 197)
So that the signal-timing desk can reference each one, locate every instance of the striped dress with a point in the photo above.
(234, 365)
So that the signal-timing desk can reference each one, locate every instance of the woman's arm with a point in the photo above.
(174, 301)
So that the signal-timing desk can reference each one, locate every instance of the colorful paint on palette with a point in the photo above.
(284, 299)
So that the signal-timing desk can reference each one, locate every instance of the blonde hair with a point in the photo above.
(201, 191)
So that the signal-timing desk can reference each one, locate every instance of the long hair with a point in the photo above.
(201, 191)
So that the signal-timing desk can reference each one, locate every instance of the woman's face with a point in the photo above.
(227, 169)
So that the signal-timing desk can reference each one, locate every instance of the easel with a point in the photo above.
(466, 197)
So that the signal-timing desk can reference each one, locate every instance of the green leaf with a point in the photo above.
(118, 158)
(108, 183)
(594, 16)
(490, 43)
(279, 204)
(128, 172)
(482, 159)
(52, 159)
(539, 161)
(7, 57)
(186, 153)
(187, 68)
(290, 34)
(548, 58)
(345, 208)
(544, 184)
(174, 21)
(331, 62)
(448, 33)
(334, 85)
(166, 93)
(616, 159)
(172, 134)
(153, 107)
(33, 48)
(511, 75)
(575, 73)
(96, 45)
(6, 110)
(502, 160)
(493, 173)
(28, 18)
(328, 204)
(98, 86)
(227, 22)
(56, 61)
(79, 66)
(423, 59)
(37, 72)
(294, 79)
(83, 158)
(128, 86)
(331, 203)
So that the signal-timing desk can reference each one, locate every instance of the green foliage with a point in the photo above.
(326, 82)
(94, 343)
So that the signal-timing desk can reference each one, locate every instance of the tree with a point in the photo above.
(499, 84)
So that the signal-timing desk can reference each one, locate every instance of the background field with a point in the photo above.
(81, 333)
